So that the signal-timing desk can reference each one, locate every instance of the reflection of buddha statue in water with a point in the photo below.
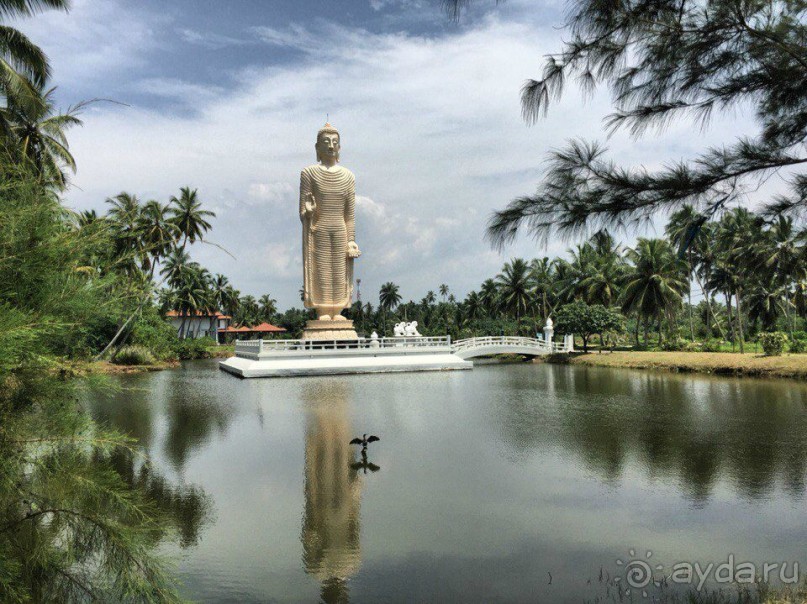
(330, 536)
(327, 210)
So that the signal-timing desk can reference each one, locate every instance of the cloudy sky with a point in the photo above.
(227, 97)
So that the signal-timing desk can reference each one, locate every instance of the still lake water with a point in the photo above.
(507, 483)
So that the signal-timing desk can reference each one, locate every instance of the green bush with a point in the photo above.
(798, 346)
(155, 333)
(134, 355)
(773, 342)
(674, 345)
(711, 346)
(195, 348)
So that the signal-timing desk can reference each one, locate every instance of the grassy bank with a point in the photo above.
(222, 351)
(786, 366)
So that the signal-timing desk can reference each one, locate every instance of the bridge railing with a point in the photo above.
(508, 341)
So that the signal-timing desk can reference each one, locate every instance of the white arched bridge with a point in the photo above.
(469, 348)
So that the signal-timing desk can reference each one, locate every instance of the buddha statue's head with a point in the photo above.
(327, 143)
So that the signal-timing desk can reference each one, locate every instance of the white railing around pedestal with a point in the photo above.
(254, 347)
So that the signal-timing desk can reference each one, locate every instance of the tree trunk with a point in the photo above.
(646, 331)
(710, 310)
(115, 338)
(659, 330)
(740, 332)
(731, 319)
(636, 331)
(689, 298)
(790, 323)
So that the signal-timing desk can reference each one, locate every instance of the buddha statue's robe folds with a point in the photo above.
(327, 268)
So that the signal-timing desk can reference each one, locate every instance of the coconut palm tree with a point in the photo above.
(223, 297)
(489, 296)
(514, 287)
(474, 308)
(174, 266)
(388, 299)
(157, 234)
(739, 240)
(542, 281)
(766, 304)
(268, 307)
(601, 276)
(655, 283)
(188, 216)
(24, 67)
(249, 311)
(192, 292)
(388, 296)
(782, 257)
(125, 217)
(688, 230)
(39, 137)
(443, 291)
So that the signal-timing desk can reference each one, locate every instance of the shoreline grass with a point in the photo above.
(793, 366)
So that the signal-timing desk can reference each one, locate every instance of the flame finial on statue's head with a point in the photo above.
(327, 129)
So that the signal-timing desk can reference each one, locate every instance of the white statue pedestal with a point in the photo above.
(318, 330)
(284, 358)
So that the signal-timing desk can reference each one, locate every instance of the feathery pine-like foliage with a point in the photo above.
(662, 61)
(72, 527)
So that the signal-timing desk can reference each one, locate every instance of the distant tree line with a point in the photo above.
(749, 273)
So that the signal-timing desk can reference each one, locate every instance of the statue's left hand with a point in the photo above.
(353, 250)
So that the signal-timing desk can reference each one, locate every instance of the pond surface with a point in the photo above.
(506, 483)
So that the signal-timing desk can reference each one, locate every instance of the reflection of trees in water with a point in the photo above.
(129, 411)
(82, 515)
(689, 430)
(187, 508)
(330, 533)
(194, 415)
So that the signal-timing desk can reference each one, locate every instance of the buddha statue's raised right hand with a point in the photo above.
(310, 205)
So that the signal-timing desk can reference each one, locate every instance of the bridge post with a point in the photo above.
(549, 332)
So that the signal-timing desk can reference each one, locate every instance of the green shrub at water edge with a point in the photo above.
(674, 345)
(153, 332)
(711, 346)
(773, 342)
(134, 355)
(798, 346)
(195, 348)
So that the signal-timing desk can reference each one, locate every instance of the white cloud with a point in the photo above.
(97, 40)
(188, 93)
(210, 39)
(272, 193)
(430, 126)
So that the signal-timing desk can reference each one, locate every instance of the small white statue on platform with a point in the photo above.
(399, 329)
(411, 329)
(374, 343)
